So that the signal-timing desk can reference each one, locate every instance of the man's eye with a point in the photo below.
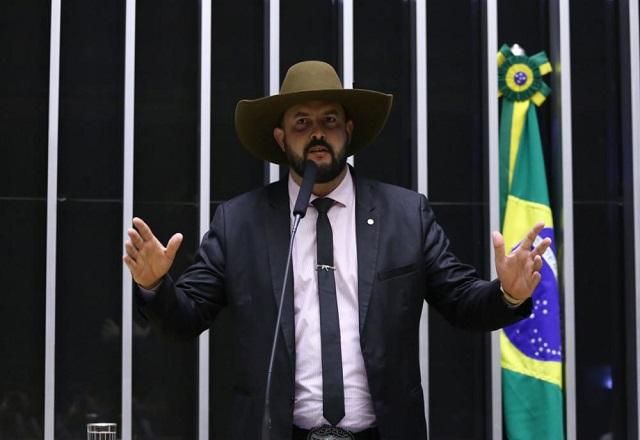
(301, 121)
(331, 119)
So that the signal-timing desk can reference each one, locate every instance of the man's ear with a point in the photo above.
(278, 135)
(349, 129)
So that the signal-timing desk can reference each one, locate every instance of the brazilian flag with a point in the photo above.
(532, 389)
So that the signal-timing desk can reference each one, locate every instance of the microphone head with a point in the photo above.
(310, 170)
(308, 179)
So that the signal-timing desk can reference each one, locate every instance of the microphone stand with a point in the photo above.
(299, 211)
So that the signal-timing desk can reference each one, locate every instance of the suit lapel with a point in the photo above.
(278, 234)
(367, 228)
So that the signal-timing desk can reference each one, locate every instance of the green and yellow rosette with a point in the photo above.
(520, 76)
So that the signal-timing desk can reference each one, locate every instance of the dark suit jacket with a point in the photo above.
(403, 259)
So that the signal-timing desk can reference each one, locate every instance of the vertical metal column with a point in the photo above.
(490, 12)
(347, 44)
(634, 64)
(562, 150)
(274, 66)
(127, 215)
(205, 200)
(347, 49)
(422, 171)
(52, 223)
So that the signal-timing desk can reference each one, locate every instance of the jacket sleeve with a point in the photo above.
(187, 307)
(456, 290)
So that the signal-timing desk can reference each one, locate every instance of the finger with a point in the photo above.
(130, 262)
(535, 280)
(498, 246)
(132, 252)
(173, 245)
(542, 246)
(136, 240)
(531, 236)
(537, 263)
(143, 229)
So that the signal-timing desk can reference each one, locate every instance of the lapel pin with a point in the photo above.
(370, 221)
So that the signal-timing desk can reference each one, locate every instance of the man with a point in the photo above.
(365, 258)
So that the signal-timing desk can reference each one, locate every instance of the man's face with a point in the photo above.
(318, 131)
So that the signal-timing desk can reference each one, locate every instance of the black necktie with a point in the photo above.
(332, 385)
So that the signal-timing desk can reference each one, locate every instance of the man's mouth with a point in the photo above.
(318, 149)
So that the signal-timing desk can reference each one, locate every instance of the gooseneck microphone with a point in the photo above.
(299, 211)
(308, 179)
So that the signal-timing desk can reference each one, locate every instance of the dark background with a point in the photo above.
(166, 185)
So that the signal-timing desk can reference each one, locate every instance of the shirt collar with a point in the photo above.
(343, 194)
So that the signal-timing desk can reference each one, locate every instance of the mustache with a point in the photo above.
(318, 142)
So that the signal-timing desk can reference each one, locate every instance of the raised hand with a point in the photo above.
(147, 259)
(519, 272)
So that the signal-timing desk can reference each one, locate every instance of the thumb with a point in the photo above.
(173, 245)
(498, 246)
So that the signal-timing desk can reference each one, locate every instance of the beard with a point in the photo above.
(326, 172)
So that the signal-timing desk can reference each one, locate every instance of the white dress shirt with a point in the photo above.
(307, 409)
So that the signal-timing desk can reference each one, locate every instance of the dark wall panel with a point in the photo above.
(22, 315)
(525, 23)
(454, 75)
(91, 100)
(599, 371)
(383, 57)
(24, 96)
(598, 211)
(309, 30)
(24, 88)
(237, 67)
(166, 101)
(456, 172)
(89, 310)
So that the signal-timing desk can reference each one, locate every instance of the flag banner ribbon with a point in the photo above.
(532, 389)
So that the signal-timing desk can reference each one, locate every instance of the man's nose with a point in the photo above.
(317, 132)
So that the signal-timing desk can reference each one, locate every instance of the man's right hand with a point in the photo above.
(147, 259)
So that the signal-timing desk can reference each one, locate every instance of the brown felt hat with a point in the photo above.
(308, 81)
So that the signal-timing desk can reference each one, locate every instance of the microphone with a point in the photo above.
(299, 211)
(308, 179)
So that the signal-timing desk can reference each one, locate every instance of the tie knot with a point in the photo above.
(323, 205)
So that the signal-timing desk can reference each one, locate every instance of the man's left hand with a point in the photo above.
(519, 272)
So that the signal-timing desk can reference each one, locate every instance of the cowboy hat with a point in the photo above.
(308, 81)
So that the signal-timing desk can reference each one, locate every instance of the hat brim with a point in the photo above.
(256, 119)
